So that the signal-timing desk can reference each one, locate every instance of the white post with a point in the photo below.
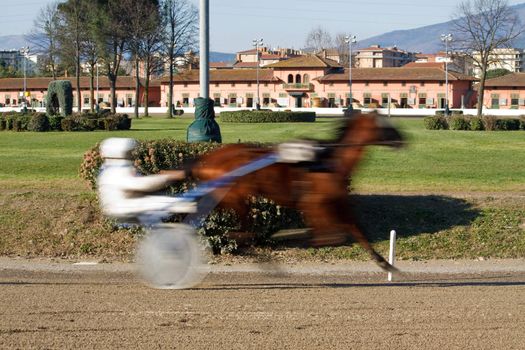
(204, 49)
(392, 255)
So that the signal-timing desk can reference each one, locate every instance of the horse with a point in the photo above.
(316, 188)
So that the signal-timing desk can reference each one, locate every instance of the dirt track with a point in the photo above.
(55, 307)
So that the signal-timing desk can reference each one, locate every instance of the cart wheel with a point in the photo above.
(171, 257)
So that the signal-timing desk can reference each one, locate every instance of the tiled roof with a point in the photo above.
(440, 65)
(42, 83)
(221, 65)
(226, 75)
(250, 51)
(396, 74)
(308, 61)
(245, 65)
(509, 80)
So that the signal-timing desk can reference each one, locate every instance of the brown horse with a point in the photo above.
(318, 189)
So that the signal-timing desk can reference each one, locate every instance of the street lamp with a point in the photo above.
(350, 40)
(24, 51)
(446, 38)
(257, 44)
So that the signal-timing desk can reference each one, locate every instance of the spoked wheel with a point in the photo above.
(171, 257)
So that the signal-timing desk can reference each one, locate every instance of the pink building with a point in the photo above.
(312, 81)
(11, 91)
(506, 92)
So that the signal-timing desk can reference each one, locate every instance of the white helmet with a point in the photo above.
(117, 147)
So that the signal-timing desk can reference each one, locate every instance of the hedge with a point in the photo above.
(41, 122)
(267, 116)
(151, 157)
(487, 122)
(59, 97)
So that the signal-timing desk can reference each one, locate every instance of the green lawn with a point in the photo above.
(434, 161)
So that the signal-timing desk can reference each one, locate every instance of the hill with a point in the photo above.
(427, 39)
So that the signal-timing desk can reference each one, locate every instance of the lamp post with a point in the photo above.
(24, 51)
(350, 40)
(257, 44)
(446, 38)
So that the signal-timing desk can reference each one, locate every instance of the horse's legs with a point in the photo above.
(327, 210)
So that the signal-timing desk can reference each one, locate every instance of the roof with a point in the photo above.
(226, 75)
(440, 65)
(250, 51)
(399, 74)
(509, 80)
(217, 65)
(307, 61)
(42, 83)
(245, 65)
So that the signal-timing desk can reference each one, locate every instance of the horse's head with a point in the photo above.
(371, 129)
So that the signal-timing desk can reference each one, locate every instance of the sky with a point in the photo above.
(280, 23)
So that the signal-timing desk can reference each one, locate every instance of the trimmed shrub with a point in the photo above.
(458, 122)
(38, 122)
(489, 122)
(21, 122)
(476, 124)
(522, 122)
(435, 123)
(266, 116)
(265, 218)
(451, 113)
(507, 124)
(59, 96)
(3, 124)
(55, 122)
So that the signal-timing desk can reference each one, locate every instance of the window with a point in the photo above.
(185, 101)
(422, 83)
(494, 101)
(384, 101)
(86, 100)
(185, 84)
(367, 101)
(403, 83)
(306, 78)
(367, 83)
(441, 83)
(422, 102)
(233, 85)
(331, 84)
(7, 99)
(249, 84)
(298, 79)
(216, 84)
(217, 101)
(266, 101)
(514, 101)
(385, 83)
(290, 79)
(265, 84)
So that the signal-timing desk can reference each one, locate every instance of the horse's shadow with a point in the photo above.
(410, 215)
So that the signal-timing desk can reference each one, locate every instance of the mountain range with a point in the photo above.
(424, 39)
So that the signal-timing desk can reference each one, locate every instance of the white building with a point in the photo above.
(510, 59)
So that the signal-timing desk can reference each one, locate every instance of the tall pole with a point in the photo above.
(350, 40)
(205, 48)
(446, 38)
(24, 51)
(257, 44)
(97, 108)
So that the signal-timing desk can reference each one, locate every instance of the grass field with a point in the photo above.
(450, 194)
(433, 161)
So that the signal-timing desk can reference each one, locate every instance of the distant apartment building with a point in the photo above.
(510, 59)
(17, 58)
(376, 56)
(457, 62)
(248, 58)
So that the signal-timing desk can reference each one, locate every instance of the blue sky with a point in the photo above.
(281, 23)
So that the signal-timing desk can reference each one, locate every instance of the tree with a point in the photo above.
(498, 72)
(111, 22)
(343, 49)
(44, 37)
(180, 20)
(318, 39)
(481, 26)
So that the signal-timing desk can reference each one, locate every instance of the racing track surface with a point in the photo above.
(53, 307)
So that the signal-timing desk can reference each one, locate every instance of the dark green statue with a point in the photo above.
(204, 128)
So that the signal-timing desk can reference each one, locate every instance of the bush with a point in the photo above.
(436, 123)
(21, 122)
(507, 124)
(265, 218)
(267, 117)
(458, 122)
(3, 124)
(490, 122)
(55, 122)
(476, 124)
(522, 123)
(38, 122)
(59, 96)
(441, 113)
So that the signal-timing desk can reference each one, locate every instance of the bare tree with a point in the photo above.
(180, 20)
(343, 49)
(481, 26)
(44, 37)
(318, 39)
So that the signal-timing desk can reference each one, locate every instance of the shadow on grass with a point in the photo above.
(156, 129)
(410, 215)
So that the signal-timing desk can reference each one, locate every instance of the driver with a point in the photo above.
(125, 194)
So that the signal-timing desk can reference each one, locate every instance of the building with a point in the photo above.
(11, 91)
(17, 59)
(313, 81)
(506, 92)
(376, 56)
(510, 59)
